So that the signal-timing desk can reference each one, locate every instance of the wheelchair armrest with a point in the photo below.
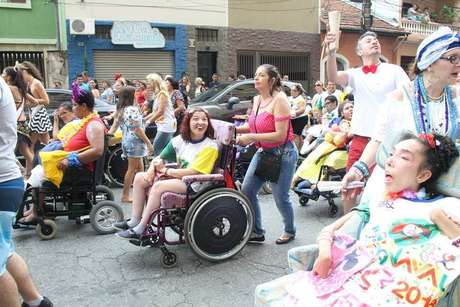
(202, 178)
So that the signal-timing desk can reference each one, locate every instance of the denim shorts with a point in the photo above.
(134, 148)
(11, 193)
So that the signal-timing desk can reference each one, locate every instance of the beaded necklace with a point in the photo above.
(421, 111)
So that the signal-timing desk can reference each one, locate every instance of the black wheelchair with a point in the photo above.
(81, 197)
(116, 165)
(331, 173)
(213, 217)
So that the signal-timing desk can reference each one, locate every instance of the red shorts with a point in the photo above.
(358, 143)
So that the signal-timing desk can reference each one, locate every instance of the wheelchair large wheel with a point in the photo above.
(103, 215)
(218, 224)
(116, 167)
(104, 193)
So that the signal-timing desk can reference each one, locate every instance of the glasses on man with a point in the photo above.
(453, 59)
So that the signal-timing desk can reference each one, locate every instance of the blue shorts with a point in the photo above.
(11, 193)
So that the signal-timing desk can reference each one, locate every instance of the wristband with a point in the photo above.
(456, 242)
(362, 168)
(166, 171)
(73, 160)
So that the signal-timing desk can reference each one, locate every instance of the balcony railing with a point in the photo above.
(423, 28)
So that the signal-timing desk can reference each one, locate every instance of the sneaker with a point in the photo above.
(128, 234)
(122, 225)
(256, 238)
(44, 303)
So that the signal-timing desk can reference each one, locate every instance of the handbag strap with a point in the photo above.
(20, 110)
(255, 127)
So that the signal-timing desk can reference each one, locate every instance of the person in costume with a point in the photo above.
(387, 265)
(195, 151)
(436, 72)
(428, 104)
(337, 137)
(81, 144)
(370, 82)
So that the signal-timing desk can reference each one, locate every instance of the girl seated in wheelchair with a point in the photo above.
(409, 251)
(195, 151)
(337, 137)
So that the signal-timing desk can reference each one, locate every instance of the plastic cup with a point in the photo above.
(334, 27)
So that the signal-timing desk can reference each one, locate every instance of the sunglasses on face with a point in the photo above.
(453, 59)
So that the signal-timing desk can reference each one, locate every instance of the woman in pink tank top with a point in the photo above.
(270, 129)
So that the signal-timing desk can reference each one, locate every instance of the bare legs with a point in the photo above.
(26, 152)
(16, 278)
(44, 138)
(135, 165)
(154, 196)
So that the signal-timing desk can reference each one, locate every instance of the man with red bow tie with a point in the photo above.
(371, 83)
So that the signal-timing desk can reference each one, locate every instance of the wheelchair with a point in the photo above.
(333, 169)
(214, 218)
(81, 197)
(116, 165)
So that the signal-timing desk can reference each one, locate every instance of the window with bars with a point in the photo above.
(295, 65)
(103, 31)
(21, 4)
(207, 35)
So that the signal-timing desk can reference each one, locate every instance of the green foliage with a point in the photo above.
(448, 14)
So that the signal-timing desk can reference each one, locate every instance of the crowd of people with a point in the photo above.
(402, 164)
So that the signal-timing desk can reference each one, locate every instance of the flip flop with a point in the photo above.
(285, 238)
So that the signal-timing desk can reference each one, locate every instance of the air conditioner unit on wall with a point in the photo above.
(82, 26)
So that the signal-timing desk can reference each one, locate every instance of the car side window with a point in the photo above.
(244, 92)
(57, 98)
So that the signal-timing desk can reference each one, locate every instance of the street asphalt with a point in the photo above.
(80, 268)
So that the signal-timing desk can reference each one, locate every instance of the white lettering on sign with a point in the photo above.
(137, 33)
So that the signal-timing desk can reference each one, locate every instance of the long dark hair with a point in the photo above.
(31, 69)
(125, 99)
(16, 79)
(274, 77)
(440, 152)
(185, 125)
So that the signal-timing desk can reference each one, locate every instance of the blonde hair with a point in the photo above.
(156, 81)
(199, 81)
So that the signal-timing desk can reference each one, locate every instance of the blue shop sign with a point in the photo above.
(140, 34)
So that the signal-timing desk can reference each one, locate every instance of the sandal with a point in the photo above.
(285, 238)
(28, 220)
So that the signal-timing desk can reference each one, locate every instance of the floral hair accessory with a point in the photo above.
(78, 90)
(429, 138)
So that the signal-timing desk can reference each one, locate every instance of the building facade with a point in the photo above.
(31, 30)
(228, 37)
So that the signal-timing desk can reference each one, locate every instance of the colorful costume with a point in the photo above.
(326, 151)
(401, 259)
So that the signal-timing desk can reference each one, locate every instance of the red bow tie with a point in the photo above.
(369, 69)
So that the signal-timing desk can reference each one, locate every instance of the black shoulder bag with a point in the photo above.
(269, 165)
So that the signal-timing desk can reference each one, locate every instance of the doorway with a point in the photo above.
(207, 65)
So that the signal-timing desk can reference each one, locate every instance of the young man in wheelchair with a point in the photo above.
(195, 151)
(73, 158)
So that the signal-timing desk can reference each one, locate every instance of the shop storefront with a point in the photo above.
(132, 48)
